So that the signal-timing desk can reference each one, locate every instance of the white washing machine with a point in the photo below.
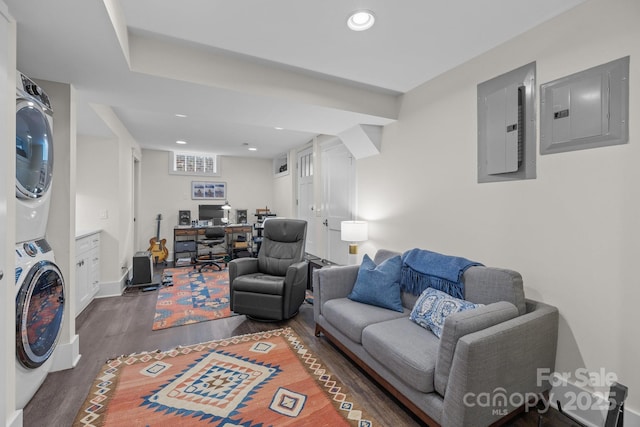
(34, 159)
(40, 303)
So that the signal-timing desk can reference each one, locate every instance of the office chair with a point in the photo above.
(272, 287)
(215, 240)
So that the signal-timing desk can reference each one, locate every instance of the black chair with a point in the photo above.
(272, 287)
(215, 240)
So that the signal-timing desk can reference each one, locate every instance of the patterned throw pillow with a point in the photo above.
(433, 306)
(379, 284)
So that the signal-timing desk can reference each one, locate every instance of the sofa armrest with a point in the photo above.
(330, 283)
(242, 266)
(295, 287)
(497, 369)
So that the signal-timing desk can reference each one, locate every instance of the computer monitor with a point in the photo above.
(213, 213)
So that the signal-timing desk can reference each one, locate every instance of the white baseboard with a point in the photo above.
(585, 406)
(66, 355)
(113, 289)
(16, 419)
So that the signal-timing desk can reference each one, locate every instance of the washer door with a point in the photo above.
(34, 150)
(39, 310)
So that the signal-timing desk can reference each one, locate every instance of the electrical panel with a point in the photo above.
(586, 110)
(506, 126)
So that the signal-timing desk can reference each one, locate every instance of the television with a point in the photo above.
(213, 213)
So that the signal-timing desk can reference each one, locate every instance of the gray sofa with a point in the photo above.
(484, 368)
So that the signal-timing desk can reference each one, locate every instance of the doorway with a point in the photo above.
(306, 207)
(338, 179)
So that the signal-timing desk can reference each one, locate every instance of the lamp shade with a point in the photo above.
(226, 206)
(354, 231)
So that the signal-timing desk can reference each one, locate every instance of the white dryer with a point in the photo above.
(34, 159)
(40, 303)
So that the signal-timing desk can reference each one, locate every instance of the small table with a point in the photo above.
(315, 262)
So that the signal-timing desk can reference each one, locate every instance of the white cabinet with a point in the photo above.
(87, 269)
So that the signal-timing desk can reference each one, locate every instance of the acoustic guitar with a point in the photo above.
(158, 247)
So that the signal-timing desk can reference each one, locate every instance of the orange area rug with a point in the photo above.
(194, 297)
(264, 379)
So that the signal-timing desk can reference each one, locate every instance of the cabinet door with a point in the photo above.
(94, 270)
(82, 282)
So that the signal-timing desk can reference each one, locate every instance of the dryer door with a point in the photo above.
(34, 150)
(39, 310)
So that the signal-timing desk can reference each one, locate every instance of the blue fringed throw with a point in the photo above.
(422, 269)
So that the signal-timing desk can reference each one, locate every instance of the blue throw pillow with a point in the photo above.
(433, 306)
(379, 284)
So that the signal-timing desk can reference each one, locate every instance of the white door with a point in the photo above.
(306, 208)
(338, 175)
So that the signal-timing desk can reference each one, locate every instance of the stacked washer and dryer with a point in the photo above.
(40, 293)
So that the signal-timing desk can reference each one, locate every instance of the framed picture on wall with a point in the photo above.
(208, 190)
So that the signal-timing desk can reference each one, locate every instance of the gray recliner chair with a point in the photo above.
(272, 286)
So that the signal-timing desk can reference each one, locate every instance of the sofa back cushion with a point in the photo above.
(486, 285)
(460, 324)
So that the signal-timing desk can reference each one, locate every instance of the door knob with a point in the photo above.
(326, 223)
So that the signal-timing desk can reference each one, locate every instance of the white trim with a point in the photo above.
(66, 355)
(16, 419)
(113, 289)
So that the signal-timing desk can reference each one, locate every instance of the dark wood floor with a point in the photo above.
(110, 327)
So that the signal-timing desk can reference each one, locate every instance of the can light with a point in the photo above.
(181, 142)
(361, 20)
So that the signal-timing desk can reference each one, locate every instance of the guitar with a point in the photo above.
(158, 247)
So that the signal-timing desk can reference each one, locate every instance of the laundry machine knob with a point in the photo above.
(30, 249)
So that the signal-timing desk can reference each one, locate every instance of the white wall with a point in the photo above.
(98, 194)
(284, 193)
(573, 232)
(105, 185)
(62, 213)
(249, 186)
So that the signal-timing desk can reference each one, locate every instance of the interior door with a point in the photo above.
(338, 173)
(306, 207)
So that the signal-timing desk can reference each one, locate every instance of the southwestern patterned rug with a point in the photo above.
(264, 379)
(194, 297)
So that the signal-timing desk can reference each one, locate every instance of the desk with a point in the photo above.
(185, 240)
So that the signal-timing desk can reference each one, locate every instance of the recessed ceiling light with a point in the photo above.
(181, 142)
(181, 115)
(361, 20)
(278, 128)
(252, 149)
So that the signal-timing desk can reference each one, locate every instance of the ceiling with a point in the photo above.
(240, 69)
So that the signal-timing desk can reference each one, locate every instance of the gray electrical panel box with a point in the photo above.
(506, 126)
(586, 110)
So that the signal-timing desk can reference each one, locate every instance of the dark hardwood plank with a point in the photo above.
(110, 327)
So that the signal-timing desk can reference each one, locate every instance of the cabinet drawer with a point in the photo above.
(186, 246)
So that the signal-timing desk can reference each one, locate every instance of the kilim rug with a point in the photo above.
(263, 379)
(194, 297)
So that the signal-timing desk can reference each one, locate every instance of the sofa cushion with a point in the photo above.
(433, 307)
(460, 324)
(378, 284)
(488, 285)
(351, 317)
(408, 350)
